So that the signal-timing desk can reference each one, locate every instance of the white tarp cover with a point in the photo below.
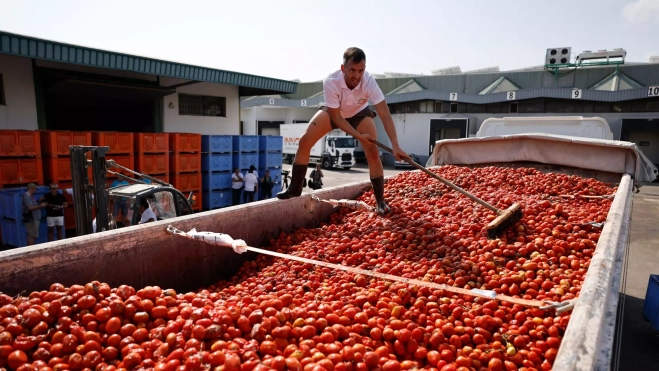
(585, 153)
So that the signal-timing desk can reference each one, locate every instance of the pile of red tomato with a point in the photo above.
(276, 314)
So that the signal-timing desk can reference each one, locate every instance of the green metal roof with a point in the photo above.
(30, 47)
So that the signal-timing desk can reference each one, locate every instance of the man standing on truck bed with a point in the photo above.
(347, 94)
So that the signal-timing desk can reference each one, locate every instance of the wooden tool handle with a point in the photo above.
(445, 181)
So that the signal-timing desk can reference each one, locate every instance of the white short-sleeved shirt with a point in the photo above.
(148, 214)
(338, 95)
(250, 182)
(236, 183)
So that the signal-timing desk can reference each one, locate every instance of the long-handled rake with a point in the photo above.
(505, 218)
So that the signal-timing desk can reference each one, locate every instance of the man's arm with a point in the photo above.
(388, 122)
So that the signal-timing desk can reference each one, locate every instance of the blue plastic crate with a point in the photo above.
(269, 160)
(245, 143)
(217, 143)
(270, 143)
(651, 305)
(216, 162)
(275, 174)
(13, 232)
(213, 181)
(11, 201)
(244, 160)
(215, 199)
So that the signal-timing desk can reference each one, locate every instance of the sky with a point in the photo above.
(305, 40)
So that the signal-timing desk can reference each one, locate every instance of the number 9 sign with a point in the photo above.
(576, 93)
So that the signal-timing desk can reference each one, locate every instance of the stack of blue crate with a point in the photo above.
(270, 158)
(216, 166)
(246, 154)
(11, 214)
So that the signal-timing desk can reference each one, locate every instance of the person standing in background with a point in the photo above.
(251, 184)
(55, 211)
(236, 186)
(31, 213)
(316, 178)
(267, 184)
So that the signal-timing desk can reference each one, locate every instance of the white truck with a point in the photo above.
(334, 150)
(574, 126)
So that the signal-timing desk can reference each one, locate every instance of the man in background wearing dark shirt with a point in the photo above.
(55, 211)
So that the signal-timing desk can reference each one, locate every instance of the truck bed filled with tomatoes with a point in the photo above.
(284, 315)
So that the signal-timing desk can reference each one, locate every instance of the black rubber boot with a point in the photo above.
(378, 190)
(297, 178)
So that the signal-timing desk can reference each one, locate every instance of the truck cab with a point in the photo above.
(334, 150)
(339, 152)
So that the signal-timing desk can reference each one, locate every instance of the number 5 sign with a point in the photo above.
(576, 93)
(511, 95)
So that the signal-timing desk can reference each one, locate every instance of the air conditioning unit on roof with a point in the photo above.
(556, 56)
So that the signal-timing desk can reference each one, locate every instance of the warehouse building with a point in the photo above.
(453, 104)
(55, 86)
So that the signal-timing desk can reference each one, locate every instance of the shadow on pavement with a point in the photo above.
(639, 344)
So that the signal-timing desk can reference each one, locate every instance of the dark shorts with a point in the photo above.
(355, 120)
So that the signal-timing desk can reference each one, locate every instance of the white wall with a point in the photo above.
(248, 117)
(20, 111)
(173, 122)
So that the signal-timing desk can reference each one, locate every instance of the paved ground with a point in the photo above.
(639, 345)
(336, 177)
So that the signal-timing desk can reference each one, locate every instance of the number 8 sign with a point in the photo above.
(511, 95)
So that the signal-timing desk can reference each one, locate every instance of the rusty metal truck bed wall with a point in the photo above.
(588, 340)
(146, 255)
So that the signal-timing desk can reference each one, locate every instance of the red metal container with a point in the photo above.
(153, 164)
(21, 171)
(186, 181)
(185, 162)
(19, 143)
(119, 142)
(151, 143)
(184, 142)
(56, 143)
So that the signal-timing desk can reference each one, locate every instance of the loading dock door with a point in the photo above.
(83, 101)
(645, 134)
(268, 127)
(447, 129)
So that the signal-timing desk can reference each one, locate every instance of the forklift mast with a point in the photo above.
(88, 193)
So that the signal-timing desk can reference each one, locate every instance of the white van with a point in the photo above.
(575, 126)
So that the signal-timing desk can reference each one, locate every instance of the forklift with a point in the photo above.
(166, 201)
